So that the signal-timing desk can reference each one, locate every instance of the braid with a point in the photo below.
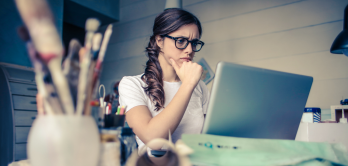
(153, 75)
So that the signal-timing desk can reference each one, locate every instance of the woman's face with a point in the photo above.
(169, 49)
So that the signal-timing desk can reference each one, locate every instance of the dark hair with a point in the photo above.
(166, 22)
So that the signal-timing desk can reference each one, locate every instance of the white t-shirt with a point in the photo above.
(132, 94)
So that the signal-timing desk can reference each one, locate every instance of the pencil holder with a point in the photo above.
(63, 140)
(114, 121)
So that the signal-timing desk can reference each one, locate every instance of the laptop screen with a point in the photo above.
(253, 102)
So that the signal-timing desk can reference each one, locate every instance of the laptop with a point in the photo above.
(253, 102)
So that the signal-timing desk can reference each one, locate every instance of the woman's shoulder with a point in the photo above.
(132, 80)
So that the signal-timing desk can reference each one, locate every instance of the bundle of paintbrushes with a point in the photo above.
(64, 87)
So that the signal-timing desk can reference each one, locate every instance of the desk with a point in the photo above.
(323, 132)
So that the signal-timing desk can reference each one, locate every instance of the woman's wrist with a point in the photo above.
(189, 85)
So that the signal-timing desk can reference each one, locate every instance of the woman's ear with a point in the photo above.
(159, 41)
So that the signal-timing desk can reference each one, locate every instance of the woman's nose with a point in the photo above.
(188, 49)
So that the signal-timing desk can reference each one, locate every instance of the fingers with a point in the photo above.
(200, 67)
(175, 66)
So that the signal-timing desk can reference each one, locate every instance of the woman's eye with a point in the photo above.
(181, 40)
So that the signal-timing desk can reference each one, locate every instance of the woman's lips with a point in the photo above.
(186, 59)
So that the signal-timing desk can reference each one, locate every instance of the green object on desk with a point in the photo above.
(221, 150)
(118, 110)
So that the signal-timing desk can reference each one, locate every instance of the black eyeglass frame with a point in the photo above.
(188, 41)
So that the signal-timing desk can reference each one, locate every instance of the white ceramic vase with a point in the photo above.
(64, 141)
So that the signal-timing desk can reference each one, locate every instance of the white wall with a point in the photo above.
(287, 35)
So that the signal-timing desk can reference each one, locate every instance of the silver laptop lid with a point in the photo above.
(256, 103)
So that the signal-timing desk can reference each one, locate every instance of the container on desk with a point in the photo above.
(67, 140)
(110, 152)
(114, 121)
(126, 144)
(311, 115)
(336, 112)
(323, 132)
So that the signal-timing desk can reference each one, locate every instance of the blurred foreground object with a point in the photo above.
(176, 155)
(62, 136)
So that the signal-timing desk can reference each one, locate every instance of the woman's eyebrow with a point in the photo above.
(188, 37)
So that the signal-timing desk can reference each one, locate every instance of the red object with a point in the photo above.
(109, 108)
(95, 103)
(122, 110)
(47, 57)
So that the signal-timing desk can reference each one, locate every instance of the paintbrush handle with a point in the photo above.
(101, 55)
(105, 43)
(39, 21)
(87, 110)
(83, 84)
(62, 85)
(45, 92)
(32, 10)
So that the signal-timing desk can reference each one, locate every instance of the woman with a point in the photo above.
(169, 96)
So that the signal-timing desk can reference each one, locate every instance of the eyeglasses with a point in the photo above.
(182, 43)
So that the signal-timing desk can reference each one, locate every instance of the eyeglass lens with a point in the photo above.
(183, 42)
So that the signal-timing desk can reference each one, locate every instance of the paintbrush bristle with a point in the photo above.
(96, 41)
(92, 24)
(74, 45)
(23, 33)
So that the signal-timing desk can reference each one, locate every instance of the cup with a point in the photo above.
(311, 115)
(114, 121)
(63, 140)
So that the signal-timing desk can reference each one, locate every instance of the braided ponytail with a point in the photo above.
(153, 75)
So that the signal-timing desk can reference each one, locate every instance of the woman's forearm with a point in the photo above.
(170, 117)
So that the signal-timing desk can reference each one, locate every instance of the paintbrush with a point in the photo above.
(96, 46)
(39, 21)
(95, 51)
(91, 26)
(71, 68)
(105, 43)
(45, 89)
(52, 96)
(100, 60)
